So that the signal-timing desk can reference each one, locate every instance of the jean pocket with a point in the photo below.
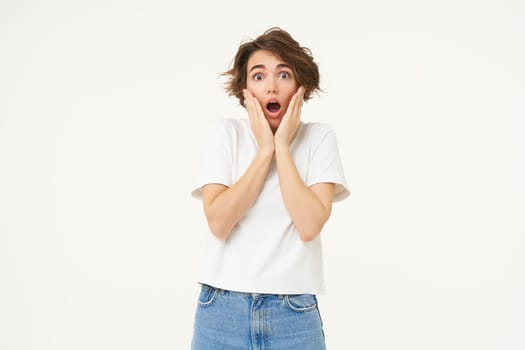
(301, 302)
(207, 295)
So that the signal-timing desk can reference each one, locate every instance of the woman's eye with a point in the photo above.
(284, 75)
(257, 76)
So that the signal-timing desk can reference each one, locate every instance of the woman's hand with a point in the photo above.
(291, 120)
(260, 126)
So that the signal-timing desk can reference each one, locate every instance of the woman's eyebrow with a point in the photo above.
(262, 66)
(257, 66)
(284, 65)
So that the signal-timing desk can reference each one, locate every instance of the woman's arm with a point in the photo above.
(309, 207)
(225, 206)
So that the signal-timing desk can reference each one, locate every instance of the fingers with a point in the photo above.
(299, 94)
(251, 103)
(299, 98)
(296, 103)
(260, 126)
(248, 103)
(292, 118)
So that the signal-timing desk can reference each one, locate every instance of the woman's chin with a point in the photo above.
(274, 123)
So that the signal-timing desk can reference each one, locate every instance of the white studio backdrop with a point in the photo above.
(103, 107)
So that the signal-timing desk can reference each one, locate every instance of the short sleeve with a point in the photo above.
(216, 164)
(326, 166)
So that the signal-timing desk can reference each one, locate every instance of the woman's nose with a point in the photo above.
(271, 88)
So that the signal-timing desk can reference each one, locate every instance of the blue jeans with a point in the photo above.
(227, 320)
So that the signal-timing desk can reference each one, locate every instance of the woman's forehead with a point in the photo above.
(265, 59)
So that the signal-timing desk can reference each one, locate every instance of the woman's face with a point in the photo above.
(273, 84)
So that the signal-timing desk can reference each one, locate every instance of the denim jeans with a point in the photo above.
(227, 320)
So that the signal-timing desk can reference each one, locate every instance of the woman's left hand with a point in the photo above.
(291, 120)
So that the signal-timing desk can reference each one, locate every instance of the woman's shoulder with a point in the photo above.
(317, 129)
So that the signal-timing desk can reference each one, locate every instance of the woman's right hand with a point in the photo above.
(260, 126)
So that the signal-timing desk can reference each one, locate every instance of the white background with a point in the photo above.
(103, 105)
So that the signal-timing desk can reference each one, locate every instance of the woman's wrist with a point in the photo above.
(282, 147)
(265, 152)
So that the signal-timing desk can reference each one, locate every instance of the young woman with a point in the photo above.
(267, 185)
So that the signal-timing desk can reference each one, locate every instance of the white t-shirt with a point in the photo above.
(264, 253)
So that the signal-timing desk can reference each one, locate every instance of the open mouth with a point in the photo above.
(273, 107)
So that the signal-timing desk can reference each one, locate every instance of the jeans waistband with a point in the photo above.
(207, 287)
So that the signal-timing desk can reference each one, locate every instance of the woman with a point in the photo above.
(267, 185)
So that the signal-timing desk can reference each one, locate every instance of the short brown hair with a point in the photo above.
(282, 44)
